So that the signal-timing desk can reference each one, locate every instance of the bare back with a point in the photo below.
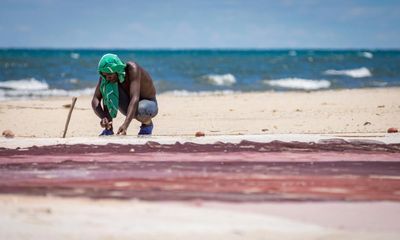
(134, 72)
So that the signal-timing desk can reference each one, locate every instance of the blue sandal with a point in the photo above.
(146, 129)
(107, 132)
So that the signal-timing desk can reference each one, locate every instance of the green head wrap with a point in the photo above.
(110, 63)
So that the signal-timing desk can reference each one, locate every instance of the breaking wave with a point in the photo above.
(354, 73)
(26, 94)
(24, 84)
(32, 88)
(220, 80)
(75, 55)
(298, 83)
(366, 55)
(185, 93)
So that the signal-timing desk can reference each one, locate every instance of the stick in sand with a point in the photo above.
(69, 116)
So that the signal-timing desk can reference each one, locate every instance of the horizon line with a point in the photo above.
(205, 48)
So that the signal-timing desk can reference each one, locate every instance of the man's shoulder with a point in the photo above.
(132, 69)
(131, 65)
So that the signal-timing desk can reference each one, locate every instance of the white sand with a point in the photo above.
(24, 142)
(365, 113)
(56, 218)
(360, 111)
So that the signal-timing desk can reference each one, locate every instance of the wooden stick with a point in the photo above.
(69, 116)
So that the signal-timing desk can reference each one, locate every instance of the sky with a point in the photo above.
(177, 24)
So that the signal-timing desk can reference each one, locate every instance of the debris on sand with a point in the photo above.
(200, 134)
(8, 133)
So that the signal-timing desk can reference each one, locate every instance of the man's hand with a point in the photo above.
(104, 123)
(122, 129)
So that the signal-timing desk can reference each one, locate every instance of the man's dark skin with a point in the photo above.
(138, 84)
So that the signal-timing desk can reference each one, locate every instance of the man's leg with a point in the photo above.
(123, 100)
(108, 130)
(147, 109)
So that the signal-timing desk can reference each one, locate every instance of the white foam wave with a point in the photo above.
(220, 80)
(74, 81)
(379, 84)
(299, 83)
(75, 55)
(355, 73)
(24, 84)
(185, 93)
(29, 94)
(366, 55)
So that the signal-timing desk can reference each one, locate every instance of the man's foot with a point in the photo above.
(146, 129)
(107, 132)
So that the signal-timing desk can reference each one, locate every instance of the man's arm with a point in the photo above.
(96, 105)
(134, 91)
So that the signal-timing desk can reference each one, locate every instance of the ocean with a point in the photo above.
(34, 73)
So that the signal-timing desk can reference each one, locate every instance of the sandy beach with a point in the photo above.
(276, 120)
(50, 217)
(197, 188)
(360, 111)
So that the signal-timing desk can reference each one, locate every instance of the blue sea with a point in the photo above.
(33, 73)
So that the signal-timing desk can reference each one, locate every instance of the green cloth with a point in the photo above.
(110, 63)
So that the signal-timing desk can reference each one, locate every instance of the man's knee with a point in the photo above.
(146, 110)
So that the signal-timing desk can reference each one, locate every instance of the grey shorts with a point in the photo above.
(147, 108)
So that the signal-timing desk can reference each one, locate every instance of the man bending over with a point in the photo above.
(127, 88)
